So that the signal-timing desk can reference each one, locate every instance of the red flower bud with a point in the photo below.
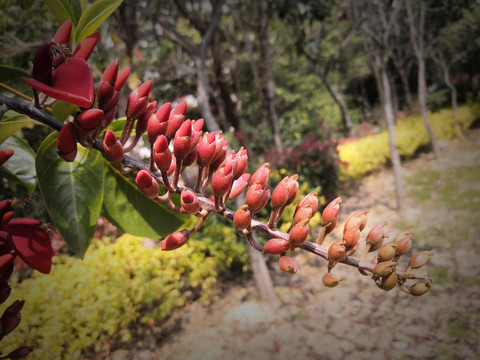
(309, 201)
(138, 100)
(191, 158)
(276, 246)
(158, 122)
(86, 122)
(197, 127)
(66, 143)
(62, 36)
(221, 157)
(232, 159)
(239, 186)
(182, 140)
(10, 323)
(218, 145)
(298, 234)
(351, 237)
(122, 77)
(206, 149)
(261, 175)
(254, 197)
(147, 184)
(242, 218)
(288, 264)
(404, 242)
(354, 249)
(189, 202)
(85, 48)
(359, 219)
(376, 235)
(222, 180)
(20, 352)
(280, 195)
(242, 160)
(106, 87)
(176, 119)
(330, 281)
(292, 185)
(5, 155)
(112, 147)
(175, 240)
(330, 215)
(172, 167)
(6, 260)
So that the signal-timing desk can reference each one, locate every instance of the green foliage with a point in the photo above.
(81, 303)
(372, 152)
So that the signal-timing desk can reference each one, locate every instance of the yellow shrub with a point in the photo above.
(372, 152)
(83, 302)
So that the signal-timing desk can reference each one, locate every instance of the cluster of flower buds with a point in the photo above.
(177, 143)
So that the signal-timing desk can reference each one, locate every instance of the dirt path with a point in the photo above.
(356, 320)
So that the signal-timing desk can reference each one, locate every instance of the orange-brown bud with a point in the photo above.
(275, 246)
(351, 237)
(261, 175)
(358, 219)
(280, 195)
(337, 252)
(383, 269)
(330, 215)
(420, 288)
(288, 264)
(419, 260)
(242, 218)
(298, 234)
(387, 252)
(389, 282)
(255, 197)
(404, 242)
(175, 240)
(375, 236)
(292, 185)
(242, 160)
(330, 280)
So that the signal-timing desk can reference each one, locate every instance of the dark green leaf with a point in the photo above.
(94, 16)
(77, 10)
(72, 192)
(127, 208)
(11, 124)
(12, 77)
(21, 166)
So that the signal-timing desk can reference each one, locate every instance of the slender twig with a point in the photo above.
(205, 203)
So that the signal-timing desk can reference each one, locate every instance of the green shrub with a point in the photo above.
(372, 152)
(83, 302)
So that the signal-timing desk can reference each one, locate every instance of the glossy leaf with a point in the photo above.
(11, 124)
(20, 168)
(12, 77)
(61, 110)
(94, 16)
(61, 9)
(72, 192)
(128, 209)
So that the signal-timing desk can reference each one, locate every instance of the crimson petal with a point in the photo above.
(31, 243)
(62, 36)
(72, 82)
(85, 48)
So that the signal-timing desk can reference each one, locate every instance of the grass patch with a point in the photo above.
(460, 331)
(471, 282)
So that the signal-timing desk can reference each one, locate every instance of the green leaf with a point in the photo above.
(72, 192)
(61, 9)
(128, 209)
(77, 10)
(20, 168)
(61, 110)
(11, 124)
(12, 76)
(94, 16)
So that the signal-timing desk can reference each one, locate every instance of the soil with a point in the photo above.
(355, 320)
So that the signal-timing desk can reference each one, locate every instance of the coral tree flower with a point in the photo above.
(26, 238)
(60, 76)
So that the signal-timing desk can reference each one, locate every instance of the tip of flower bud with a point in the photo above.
(89, 119)
(181, 108)
(111, 72)
(62, 36)
(110, 138)
(144, 89)
(122, 77)
(198, 125)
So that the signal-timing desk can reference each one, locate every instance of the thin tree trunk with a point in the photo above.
(203, 86)
(270, 81)
(387, 108)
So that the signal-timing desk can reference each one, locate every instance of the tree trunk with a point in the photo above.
(203, 86)
(270, 81)
(261, 275)
(339, 100)
(422, 99)
(387, 108)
